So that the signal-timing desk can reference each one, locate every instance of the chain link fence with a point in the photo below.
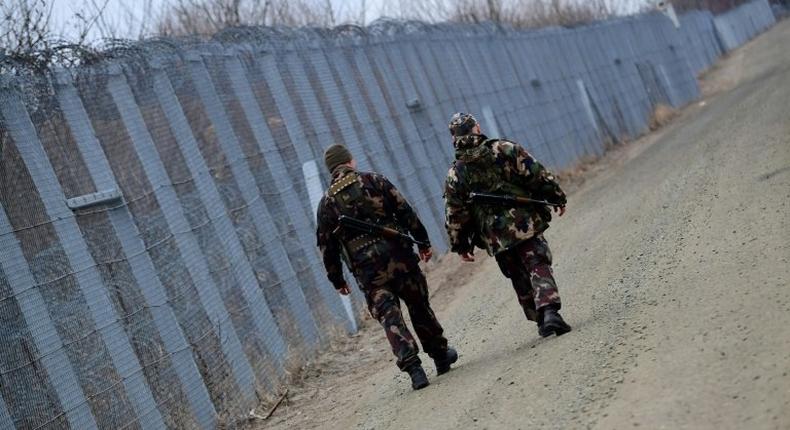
(158, 265)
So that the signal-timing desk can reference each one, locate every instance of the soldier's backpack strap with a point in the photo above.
(348, 194)
(343, 183)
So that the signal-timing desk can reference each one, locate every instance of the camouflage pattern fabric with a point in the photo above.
(386, 270)
(378, 202)
(528, 266)
(384, 306)
(495, 166)
(461, 123)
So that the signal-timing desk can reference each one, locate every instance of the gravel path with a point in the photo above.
(673, 267)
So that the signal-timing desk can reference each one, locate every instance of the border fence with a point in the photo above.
(158, 265)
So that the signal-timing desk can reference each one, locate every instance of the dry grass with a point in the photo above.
(715, 6)
(662, 114)
(516, 13)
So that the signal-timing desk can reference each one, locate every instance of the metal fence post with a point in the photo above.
(185, 239)
(45, 335)
(104, 316)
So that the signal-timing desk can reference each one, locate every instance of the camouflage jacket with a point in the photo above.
(495, 166)
(370, 197)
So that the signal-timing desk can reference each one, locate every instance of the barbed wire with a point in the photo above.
(67, 55)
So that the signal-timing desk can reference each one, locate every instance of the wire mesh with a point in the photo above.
(200, 290)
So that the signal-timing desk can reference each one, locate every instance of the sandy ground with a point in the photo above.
(673, 267)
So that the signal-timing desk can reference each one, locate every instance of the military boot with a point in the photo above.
(551, 322)
(419, 379)
(443, 363)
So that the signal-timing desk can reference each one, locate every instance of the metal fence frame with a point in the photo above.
(200, 289)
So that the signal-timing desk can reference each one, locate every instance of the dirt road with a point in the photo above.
(673, 267)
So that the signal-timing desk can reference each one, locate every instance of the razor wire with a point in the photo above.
(197, 290)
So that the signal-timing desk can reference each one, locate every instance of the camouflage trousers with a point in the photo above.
(528, 265)
(384, 305)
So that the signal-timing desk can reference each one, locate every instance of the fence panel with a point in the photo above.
(158, 265)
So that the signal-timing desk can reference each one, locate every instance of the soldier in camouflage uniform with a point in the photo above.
(513, 235)
(386, 270)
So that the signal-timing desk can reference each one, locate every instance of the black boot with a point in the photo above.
(443, 364)
(419, 379)
(552, 322)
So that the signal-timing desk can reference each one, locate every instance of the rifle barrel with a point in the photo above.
(508, 199)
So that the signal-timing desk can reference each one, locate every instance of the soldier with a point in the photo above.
(386, 270)
(513, 235)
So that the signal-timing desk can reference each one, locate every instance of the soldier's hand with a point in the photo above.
(560, 209)
(426, 254)
(467, 256)
(344, 290)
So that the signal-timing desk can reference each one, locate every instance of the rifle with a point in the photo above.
(370, 228)
(507, 200)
